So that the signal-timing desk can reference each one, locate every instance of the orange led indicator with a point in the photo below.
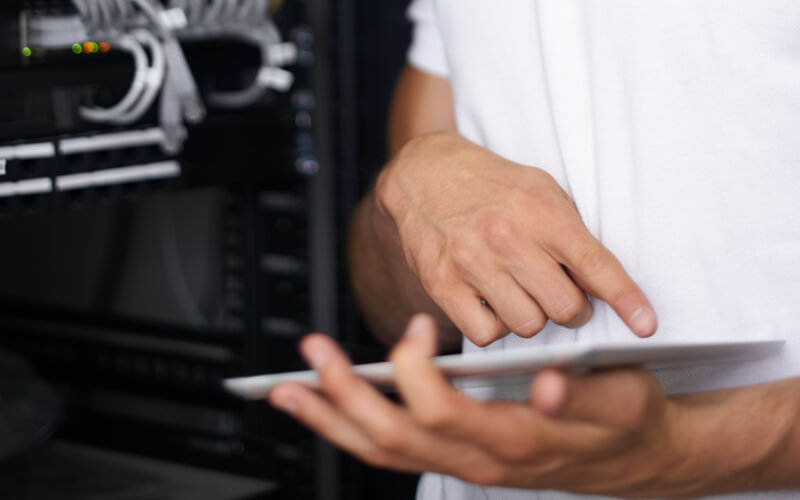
(88, 48)
(104, 47)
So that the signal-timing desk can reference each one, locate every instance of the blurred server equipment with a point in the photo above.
(161, 191)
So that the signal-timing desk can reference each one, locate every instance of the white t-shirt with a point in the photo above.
(674, 125)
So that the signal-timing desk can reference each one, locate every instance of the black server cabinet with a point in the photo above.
(89, 292)
(137, 350)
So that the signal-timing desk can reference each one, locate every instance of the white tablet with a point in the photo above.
(517, 365)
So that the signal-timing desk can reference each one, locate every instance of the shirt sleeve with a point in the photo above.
(427, 48)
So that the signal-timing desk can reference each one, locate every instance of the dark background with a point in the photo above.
(100, 264)
(380, 38)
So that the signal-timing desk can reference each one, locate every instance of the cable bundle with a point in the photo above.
(150, 29)
(217, 15)
(147, 81)
(249, 22)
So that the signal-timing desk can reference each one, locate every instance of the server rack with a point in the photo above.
(139, 383)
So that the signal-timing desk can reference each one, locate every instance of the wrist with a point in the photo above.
(409, 171)
(733, 440)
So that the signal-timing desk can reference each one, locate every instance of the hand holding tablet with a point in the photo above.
(491, 367)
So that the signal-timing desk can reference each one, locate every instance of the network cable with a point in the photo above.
(154, 79)
(264, 38)
(171, 118)
(129, 44)
(193, 108)
(127, 22)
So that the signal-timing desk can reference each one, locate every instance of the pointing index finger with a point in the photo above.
(598, 271)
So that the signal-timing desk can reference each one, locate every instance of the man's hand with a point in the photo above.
(485, 245)
(499, 246)
(611, 433)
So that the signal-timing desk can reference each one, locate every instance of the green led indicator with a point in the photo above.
(76, 48)
(95, 48)
(26, 51)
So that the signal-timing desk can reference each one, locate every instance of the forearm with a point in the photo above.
(386, 289)
(745, 439)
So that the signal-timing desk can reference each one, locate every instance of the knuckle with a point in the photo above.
(593, 259)
(486, 476)
(434, 278)
(638, 406)
(386, 432)
(567, 312)
(390, 440)
(482, 338)
(334, 382)
(464, 252)
(436, 418)
(499, 232)
(532, 326)
(520, 452)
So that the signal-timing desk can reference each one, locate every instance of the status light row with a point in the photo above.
(91, 48)
(77, 48)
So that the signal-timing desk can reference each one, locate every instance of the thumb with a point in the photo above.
(418, 341)
(614, 398)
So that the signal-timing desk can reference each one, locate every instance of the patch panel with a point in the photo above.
(48, 93)
(111, 141)
(120, 175)
(62, 167)
(26, 187)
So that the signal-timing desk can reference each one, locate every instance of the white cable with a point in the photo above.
(212, 15)
(251, 13)
(94, 14)
(264, 38)
(196, 11)
(116, 16)
(220, 18)
(81, 6)
(179, 71)
(260, 12)
(181, 4)
(124, 9)
(106, 16)
(83, 12)
(247, 20)
(154, 79)
(171, 118)
(228, 13)
(242, 11)
(131, 45)
(152, 13)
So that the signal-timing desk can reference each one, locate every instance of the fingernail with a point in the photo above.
(643, 321)
(317, 358)
(416, 325)
(286, 405)
(550, 392)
